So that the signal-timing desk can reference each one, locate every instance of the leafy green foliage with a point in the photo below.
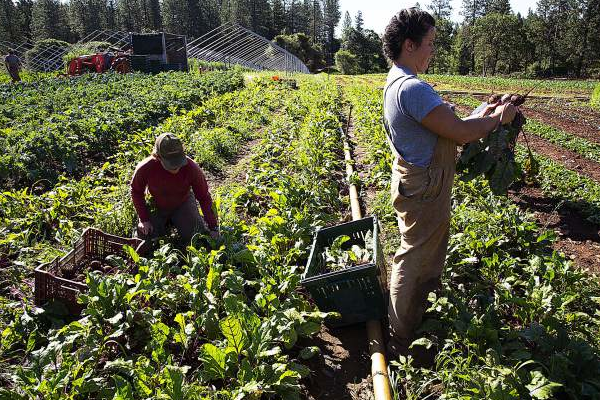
(493, 157)
(302, 47)
(595, 99)
(219, 322)
(85, 118)
(338, 256)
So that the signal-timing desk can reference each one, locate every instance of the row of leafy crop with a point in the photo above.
(492, 84)
(513, 320)
(595, 99)
(31, 224)
(47, 134)
(217, 324)
(581, 146)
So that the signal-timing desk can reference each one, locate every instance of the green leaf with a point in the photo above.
(421, 342)
(309, 352)
(308, 329)
(175, 381)
(540, 387)
(213, 361)
(232, 329)
(503, 176)
(132, 253)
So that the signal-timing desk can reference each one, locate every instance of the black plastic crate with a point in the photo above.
(358, 293)
(93, 245)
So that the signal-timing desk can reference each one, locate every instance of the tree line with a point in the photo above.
(559, 39)
(34, 20)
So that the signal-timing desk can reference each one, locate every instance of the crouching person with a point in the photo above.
(174, 182)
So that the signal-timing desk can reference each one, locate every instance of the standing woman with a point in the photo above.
(423, 132)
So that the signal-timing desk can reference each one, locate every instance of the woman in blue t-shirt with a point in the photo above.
(423, 131)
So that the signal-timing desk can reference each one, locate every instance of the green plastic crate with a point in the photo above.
(358, 293)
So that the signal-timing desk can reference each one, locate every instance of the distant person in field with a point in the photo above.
(423, 132)
(175, 182)
(13, 65)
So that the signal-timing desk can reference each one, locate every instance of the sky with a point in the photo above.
(377, 13)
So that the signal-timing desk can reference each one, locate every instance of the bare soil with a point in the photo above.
(572, 121)
(341, 372)
(578, 238)
(569, 159)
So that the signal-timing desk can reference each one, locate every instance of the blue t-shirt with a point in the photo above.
(406, 104)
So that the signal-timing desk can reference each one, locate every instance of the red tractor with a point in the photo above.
(100, 62)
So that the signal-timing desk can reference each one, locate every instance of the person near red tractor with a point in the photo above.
(13, 65)
(174, 182)
(423, 132)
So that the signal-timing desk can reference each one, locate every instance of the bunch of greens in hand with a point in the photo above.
(494, 155)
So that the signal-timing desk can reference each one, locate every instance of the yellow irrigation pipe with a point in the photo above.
(379, 370)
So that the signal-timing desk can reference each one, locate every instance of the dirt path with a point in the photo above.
(570, 121)
(236, 169)
(342, 372)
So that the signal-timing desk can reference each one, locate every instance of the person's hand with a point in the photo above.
(489, 109)
(145, 228)
(508, 112)
(214, 234)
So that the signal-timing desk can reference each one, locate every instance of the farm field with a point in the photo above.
(516, 317)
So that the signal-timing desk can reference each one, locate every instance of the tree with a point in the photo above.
(358, 21)
(278, 17)
(346, 25)
(444, 37)
(365, 45)
(86, 16)
(9, 29)
(24, 17)
(585, 27)
(498, 7)
(346, 62)
(300, 45)
(495, 35)
(331, 18)
(315, 21)
(440, 9)
(186, 18)
(462, 51)
(48, 20)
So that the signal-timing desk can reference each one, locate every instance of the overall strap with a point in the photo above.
(388, 133)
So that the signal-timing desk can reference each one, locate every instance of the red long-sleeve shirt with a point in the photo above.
(170, 190)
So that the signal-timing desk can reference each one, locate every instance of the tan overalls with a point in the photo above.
(421, 197)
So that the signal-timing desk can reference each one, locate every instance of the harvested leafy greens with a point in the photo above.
(339, 256)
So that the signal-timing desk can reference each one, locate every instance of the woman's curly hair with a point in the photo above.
(409, 23)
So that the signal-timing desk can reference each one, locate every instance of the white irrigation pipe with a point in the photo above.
(379, 370)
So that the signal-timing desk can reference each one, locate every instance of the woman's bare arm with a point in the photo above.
(443, 122)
